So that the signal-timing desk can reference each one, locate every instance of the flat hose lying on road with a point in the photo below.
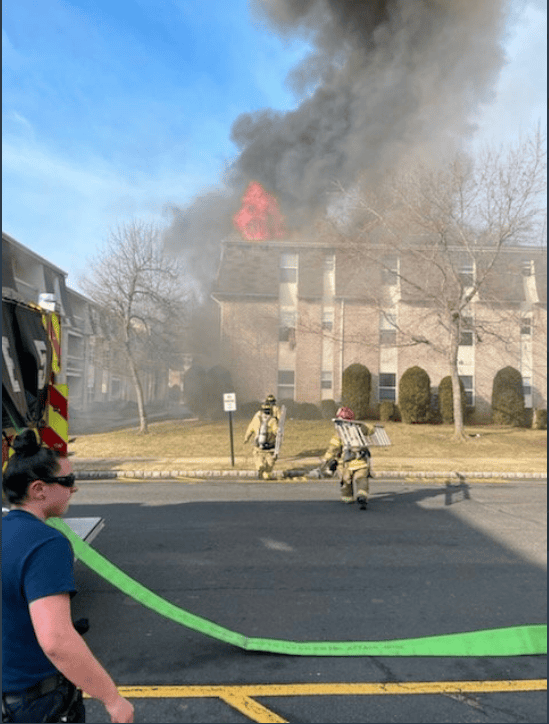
(509, 641)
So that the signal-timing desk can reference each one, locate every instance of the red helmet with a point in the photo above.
(345, 413)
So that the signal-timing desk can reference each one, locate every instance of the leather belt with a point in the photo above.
(36, 690)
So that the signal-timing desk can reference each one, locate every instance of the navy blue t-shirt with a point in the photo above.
(37, 561)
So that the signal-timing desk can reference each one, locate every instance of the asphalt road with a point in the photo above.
(288, 560)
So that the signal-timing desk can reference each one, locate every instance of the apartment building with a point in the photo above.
(295, 313)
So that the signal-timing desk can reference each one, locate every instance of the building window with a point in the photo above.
(527, 267)
(387, 386)
(526, 326)
(326, 380)
(466, 338)
(387, 329)
(466, 273)
(389, 270)
(288, 268)
(467, 381)
(286, 332)
(286, 385)
(527, 392)
(328, 320)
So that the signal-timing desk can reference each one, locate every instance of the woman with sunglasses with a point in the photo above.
(45, 661)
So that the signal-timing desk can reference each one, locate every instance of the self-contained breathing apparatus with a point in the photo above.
(262, 440)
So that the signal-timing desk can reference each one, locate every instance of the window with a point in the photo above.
(387, 386)
(286, 385)
(527, 267)
(326, 380)
(527, 392)
(328, 320)
(286, 331)
(288, 268)
(387, 336)
(466, 272)
(466, 338)
(387, 329)
(526, 326)
(468, 387)
(389, 270)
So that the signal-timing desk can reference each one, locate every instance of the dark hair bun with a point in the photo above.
(26, 443)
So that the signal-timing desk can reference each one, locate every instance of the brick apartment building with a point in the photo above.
(295, 314)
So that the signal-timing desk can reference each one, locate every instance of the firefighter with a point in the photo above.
(271, 401)
(353, 465)
(263, 426)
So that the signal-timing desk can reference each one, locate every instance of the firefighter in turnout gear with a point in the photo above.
(353, 463)
(271, 401)
(263, 427)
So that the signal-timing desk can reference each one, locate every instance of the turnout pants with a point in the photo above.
(54, 699)
(264, 461)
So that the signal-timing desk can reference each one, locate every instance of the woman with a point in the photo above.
(45, 662)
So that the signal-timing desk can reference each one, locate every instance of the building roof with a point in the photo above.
(250, 270)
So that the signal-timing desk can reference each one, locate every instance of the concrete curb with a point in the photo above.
(251, 474)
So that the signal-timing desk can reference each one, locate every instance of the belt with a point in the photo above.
(36, 690)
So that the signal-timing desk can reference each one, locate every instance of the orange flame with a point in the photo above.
(259, 217)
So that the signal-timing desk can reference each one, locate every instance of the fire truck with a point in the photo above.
(32, 396)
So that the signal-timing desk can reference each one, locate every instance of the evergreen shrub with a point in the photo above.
(446, 400)
(356, 383)
(507, 398)
(328, 408)
(388, 411)
(414, 395)
(539, 421)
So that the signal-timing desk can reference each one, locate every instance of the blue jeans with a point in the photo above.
(51, 707)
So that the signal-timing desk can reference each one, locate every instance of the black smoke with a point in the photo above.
(386, 79)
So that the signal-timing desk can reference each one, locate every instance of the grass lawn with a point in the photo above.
(192, 445)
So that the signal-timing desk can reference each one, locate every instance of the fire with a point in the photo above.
(259, 217)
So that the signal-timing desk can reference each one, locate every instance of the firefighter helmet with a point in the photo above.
(265, 407)
(271, 400)
(345, 413)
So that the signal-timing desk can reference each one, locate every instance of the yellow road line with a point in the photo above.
(252, 709)
(337, 689)
(242, 697)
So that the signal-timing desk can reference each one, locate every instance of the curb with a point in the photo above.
(278, 476)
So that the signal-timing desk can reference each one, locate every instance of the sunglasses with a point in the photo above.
(67, 481)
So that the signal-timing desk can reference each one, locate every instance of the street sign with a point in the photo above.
(229, 402)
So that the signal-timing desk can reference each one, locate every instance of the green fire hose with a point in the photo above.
(508, 641)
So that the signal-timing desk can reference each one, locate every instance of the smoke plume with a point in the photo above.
(386, 79)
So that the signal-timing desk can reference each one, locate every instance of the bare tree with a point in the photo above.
(141, 288)
(449, 229)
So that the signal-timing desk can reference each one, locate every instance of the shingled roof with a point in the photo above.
(250, 269)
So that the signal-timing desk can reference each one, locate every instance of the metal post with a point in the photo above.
(231, 435)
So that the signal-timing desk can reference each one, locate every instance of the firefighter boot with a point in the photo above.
(362, 499)
(346, 492)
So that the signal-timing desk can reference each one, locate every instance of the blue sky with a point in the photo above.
(115, 110)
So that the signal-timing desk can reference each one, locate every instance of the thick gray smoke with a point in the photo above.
(387, 78)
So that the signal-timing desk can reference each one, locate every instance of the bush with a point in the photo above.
(194, 388)
(414, 395)
(248, 409)
(328, 409)
(388, 411)
(446, 400)
(539, 421)
(507, 398)
(301, 410)
(355, 393)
